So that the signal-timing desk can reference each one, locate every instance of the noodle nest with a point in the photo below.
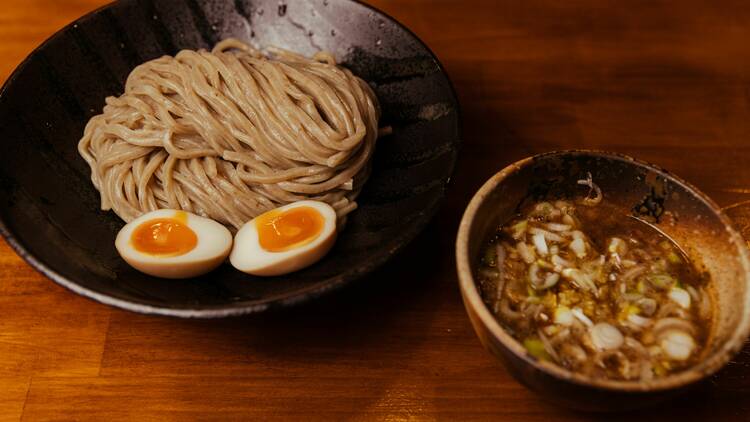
(232, 133)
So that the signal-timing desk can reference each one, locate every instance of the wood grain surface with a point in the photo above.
(668, 82)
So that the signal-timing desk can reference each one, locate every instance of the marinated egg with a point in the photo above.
(285, 239)
(173, 244)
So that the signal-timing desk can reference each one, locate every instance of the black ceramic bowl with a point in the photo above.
(49, 210)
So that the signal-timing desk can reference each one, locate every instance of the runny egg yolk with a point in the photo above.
(280, 231)
(165, 236)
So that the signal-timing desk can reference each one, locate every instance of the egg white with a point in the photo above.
(249, 256)
(214, 242)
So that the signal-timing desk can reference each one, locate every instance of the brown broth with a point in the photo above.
(634, 308)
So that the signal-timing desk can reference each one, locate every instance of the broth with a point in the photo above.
(588, 287)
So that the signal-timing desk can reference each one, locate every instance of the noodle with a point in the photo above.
(232, 133)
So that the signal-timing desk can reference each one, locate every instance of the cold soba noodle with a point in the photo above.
(231, 133)
(592, 289)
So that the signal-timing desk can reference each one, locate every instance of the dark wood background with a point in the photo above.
(668, 82)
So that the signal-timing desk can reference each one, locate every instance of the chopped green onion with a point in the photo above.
(661, 281)
(627, 311)
(535, 347)
(544, 209)
(550, 300)
(544, 264)
(490, 257)
(641, 287)
(519, 229)
(673, 258)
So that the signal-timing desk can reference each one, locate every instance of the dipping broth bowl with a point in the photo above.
(671, 205)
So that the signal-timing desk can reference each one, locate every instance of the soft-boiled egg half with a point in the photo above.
(285, 239)
(173, 244)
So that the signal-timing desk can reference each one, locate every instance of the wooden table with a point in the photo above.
(668, 82)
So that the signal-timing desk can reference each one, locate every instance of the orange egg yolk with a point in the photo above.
(280, 231)
(165, 236)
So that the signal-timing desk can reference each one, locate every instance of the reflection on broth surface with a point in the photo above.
(596, 291)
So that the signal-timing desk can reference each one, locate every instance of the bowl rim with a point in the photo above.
(242, 308)
(473, 301)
